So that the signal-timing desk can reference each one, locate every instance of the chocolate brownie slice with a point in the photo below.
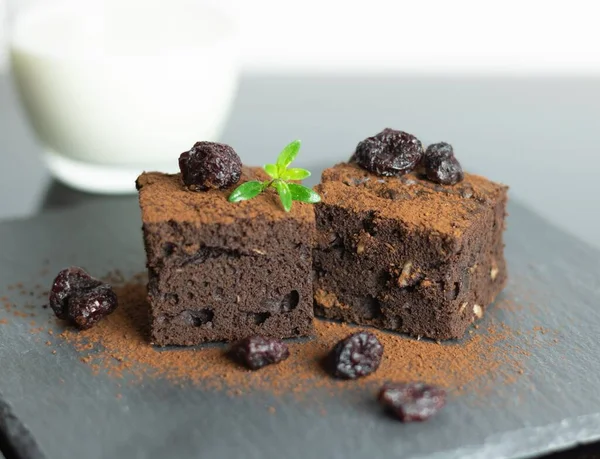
(220, 271)
(406, 254)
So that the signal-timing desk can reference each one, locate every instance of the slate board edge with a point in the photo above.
(542, 441)
(16, 441)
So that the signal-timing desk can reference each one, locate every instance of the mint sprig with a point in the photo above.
(280, 178)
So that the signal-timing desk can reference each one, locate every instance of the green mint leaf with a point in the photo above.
(287, 155)
(246, 191)
(271, 169)
(295, 173)
(280, 175)
(284, 194)
(303, 194)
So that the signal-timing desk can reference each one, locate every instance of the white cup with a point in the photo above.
(116, 87)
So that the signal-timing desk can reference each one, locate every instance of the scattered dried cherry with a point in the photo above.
(80, 298)
(389, 153)
(87, 307)
(256, 351)
(67, 281)
(440, 165)
(412, 401)
(210, 165)
(356, 355)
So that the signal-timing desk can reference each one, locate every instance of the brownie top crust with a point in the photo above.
(163, 197)
(416, 202)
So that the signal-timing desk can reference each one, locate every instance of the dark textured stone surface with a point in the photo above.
(555, 404)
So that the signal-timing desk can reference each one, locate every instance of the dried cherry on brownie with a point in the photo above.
(440, 165)
(388, 153)
(210, 165)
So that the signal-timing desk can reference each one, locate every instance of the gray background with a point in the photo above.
(539, 135)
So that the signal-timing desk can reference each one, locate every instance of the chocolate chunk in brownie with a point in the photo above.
(220, 271)
(406, 254)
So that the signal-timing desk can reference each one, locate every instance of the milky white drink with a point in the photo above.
(116, 87)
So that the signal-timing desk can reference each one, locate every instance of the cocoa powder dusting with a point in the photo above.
(446, 209)
(163, 197)
(119, 346)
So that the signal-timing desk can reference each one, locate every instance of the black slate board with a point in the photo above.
(555, 404)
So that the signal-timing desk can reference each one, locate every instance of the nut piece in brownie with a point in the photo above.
(220, 271)
(407, 254)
